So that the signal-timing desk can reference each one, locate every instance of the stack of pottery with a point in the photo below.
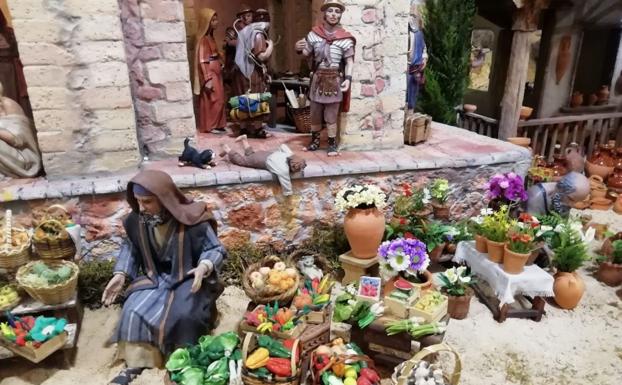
(598, 194)
(601, 162)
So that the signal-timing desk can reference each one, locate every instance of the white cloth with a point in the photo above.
(278, 164)
(244, 57)
(533, 281)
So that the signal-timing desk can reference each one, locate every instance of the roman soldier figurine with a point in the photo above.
(331, 50)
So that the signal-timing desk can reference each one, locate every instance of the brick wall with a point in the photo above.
(376, 116)
(74, 64)
(157, 57)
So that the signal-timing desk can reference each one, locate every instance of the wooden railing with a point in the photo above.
(479, 124)
(588, 131)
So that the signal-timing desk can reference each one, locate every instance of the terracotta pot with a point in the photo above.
(422, 213)
(514, 263)
(617, 205)
(450, 248)
(559, 166)
(576, 100)
(600, 204)
(568, 289)
(609, 273)
(437, 253)
(525, 112)
(596, 169)
(364, 229)
(607, 248)
(598, 192)
(592, 99)
(603, 95)
(458, 307)
(617, 161)
(495, 250)
(440, 211)
(389, 286)
(614, 181)
(539, 161)
(469, 108)
(520, 141)
(480, 244)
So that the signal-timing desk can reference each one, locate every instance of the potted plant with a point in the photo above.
(506, 189)
(439, 190)
(518, 248)
(456, 234)
(433, 234)
(569, 245)
(364, 221)
(495, 228)
(421, 199)
(456, 282)
(476, 228)
(610, 270)
(405, 258)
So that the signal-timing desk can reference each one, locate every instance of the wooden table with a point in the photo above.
(278, 86)
(530, 307)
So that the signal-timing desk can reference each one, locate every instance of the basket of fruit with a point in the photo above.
(342, 363)
(270, 361)
(271, 280)
(9, 298)
(432, 306)
(417, 371)
(49, 282)
(280, 323)
(14, 245)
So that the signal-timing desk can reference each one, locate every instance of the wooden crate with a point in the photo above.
(40, 354)
(319, 317)
(439, 313)
(417, 129)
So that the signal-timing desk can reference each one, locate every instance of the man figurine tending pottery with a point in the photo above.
(331, 51)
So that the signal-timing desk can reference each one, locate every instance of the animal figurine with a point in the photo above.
(192, 157)
(307, 267)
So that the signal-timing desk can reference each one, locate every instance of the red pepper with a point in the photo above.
(321, 361)
(363, 381)
(289, 345)
(281, 367)
(370, 374)
(315, 284)
(20, 341)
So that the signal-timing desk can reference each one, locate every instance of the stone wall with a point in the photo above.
(74, 64)
(157, 58)
(376, 117)
(259, 213)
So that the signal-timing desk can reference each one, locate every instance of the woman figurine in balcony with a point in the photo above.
(208, 81)
(417, 59)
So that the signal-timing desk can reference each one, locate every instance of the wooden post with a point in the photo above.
(525, 23)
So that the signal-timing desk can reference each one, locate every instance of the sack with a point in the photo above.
(248, 104)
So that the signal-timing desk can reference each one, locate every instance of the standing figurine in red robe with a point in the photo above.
(208, 81)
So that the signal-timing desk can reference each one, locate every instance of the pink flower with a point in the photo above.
(504, 184)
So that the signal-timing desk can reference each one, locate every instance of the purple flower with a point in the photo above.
(509, 187)
(404, 254)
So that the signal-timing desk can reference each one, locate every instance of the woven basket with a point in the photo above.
(12, 258)
(259, 298)
(11, 305)
(417, 128)
(60, 247)
(403, 370)
(55, 294)
(320, 260)
(249, 344)
(302, 119)
(316, 376)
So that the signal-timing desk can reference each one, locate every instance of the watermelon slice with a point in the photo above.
(403, 284)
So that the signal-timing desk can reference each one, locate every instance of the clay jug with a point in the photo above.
(609, 273)
(592, 99)
(603, 95)
(614, 181)
(618, 157)
(364, 229)
(576, 100)
(574, 159)
(607, 154)
(559, 166)
(568, 289)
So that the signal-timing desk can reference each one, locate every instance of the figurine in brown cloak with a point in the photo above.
(331, 50)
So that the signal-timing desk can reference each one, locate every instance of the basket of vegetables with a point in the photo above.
(14, 245)
(417, 371)
(50, 282)
(52, 241)
(9, 298)
(281, 323)
(314, 299)
(271, 280)
(342, 364)
(270, 361)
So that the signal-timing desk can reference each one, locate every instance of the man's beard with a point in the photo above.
(155, 219)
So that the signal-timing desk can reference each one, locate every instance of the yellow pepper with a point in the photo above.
(258, 359)
(339, 370)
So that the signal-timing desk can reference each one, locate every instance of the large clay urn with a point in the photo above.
(614, 181)
(600, 163)
(568, 289)
(364, 229)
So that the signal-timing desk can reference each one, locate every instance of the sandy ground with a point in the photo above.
(583, 346)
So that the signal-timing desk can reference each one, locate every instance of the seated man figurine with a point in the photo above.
(19, 152)
(545, 198)
(172, 258)
(279, 162)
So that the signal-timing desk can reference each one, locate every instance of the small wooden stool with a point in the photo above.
(355, 268)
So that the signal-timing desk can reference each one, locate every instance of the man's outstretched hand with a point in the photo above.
(113, 289)
(199, 272)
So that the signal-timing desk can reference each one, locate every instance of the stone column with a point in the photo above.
(74, 64)
(155, 43)
(376, 117)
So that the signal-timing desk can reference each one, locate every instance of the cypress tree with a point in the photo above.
(447, 27)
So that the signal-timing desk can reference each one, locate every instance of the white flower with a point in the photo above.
(559, 228)
(399, 261)
(576, 226)
(465, 279)
(451, 275)
(520, 225)
(486, 212)
(386, 271)
(461, 270)
(478, 219)
(543, 229)
(589, 235)
(426, 196)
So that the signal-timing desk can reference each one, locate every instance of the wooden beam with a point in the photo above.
(593, 18)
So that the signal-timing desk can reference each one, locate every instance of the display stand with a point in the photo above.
(534, 309)
(355, 268)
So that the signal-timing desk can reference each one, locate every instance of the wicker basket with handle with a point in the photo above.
(13, 256)
(53, 294)
(248, 345)
(316, 376)
(60, 246)
(302, 119)
(403, 370)
(259, 297)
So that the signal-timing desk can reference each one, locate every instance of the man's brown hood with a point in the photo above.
(177, 203)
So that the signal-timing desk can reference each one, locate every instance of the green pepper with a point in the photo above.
(261, 373)
(275, 347)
